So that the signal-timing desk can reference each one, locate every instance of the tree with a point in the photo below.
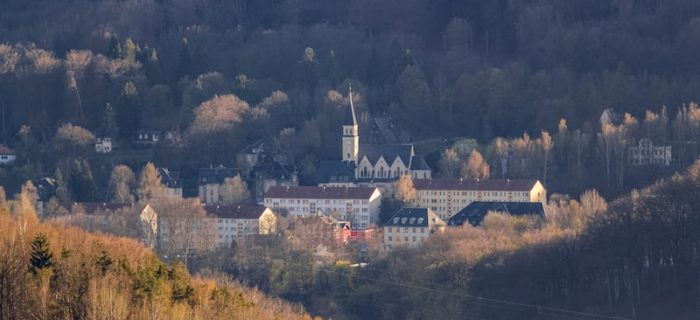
(414, 95)
(121, 182)
(41, 256)
(109, 127)
(476, 167)
(449, 163)
(71, 139)
(234, 191)
(405, 190)
(82, 183)
(218, 114)
(150, 186)
(546, 144)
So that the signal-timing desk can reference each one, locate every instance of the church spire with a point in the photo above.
(350, 118)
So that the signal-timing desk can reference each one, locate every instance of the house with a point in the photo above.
(7, 156)
(271, 175)
(646, 153)
(609, 117)
(237, 221)
(250, 156)
(210, 183)
(336, 173)
(103, 145)
(448, 196)
(375, 165)
(410, 227)
(359, 205)
(146, 137)
(476, 211)
(126, 220)
(171, 182)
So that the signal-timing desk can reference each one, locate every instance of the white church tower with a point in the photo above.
(351, 133)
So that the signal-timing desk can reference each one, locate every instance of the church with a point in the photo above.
(372, 165)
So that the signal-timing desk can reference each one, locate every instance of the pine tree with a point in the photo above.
(41, 257)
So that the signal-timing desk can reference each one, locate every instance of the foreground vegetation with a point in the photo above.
(52, 272)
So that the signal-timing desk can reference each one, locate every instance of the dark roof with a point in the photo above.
(320, 192)
(471, 184)
(216, 174)
(418, 163)
(409, 217)
(336, 171)
(350, 118)
(101, 207)
(476, 211)
(5, 150)
(389, 151)
(170, 179)
(386, 129)
(236, 212)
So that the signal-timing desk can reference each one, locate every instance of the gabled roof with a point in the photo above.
(413, 217)
(236, 212)
(476, 211)
(418, 163)
(363, 193)
(477, 185)
(102, 207)
(216, 175)
(388, 151)
(5, 150)
(336, 171)
(170, 179)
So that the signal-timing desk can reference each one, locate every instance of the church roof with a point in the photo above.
(419, 163)
(330, 171)
(350, 118)
(389, 151)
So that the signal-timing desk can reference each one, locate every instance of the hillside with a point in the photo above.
(66, 273)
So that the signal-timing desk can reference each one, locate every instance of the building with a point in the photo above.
(125, 220)
(448, 196)
(171, 182)
(7, 156)
(374, 165)
(237, 221)
(146, 138)
(250, 156)
(103, 145)
(645, 153)
(211, 181)
(476, 211)
(410, 227)
(318, 230)
(359, 205)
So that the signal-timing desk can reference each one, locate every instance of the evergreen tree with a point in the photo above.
(41, 256)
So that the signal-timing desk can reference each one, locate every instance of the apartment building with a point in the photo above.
(359, 205)
(448, 196)
(237, 221)
(410, 227)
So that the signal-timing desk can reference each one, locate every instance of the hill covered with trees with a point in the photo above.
(53, 272)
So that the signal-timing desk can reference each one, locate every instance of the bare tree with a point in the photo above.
(234, 191)
(405, 190)
(449, 163)
(121, 183)
(218, 114)
(476, 167)
(149, 183)
(546, 144)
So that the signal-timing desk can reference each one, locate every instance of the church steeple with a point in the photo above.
(351, 132)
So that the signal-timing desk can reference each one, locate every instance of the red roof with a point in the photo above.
(236, 212)
(5, 150)
(478, 185)
(320, 192)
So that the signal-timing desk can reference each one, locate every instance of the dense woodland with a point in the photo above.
(223, 74)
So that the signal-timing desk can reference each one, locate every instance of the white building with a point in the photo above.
(171, 182)
(410, 227)
(359, 205)
(645, 153)
(448, 196)
(103, 145)
(233, 222)
(7, 156)
(211, 181)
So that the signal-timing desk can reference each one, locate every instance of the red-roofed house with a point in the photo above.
(359, 205)
(7, 156)
(448, 196)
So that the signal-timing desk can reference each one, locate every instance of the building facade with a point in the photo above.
(646, 153)
(7, 156)
(211, 181)
(409, 227)
(103, 145)
(359, 205)
(448, 196)
(233, 222)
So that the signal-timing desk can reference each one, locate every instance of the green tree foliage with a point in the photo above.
(41, 255)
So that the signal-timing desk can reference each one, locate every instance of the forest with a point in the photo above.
(219, 75)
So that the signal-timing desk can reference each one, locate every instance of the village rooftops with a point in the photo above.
(236, 212)
(321, 192)
(478, 185)
(171, 179)
(413, 217)
(216, 175)
(5, 150)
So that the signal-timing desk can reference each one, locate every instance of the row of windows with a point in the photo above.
(307, 201)
(406, 229)
(474, 193)
(405, 238)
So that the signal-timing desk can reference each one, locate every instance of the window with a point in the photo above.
(405, 239)
(414, 239)
(389, 238)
